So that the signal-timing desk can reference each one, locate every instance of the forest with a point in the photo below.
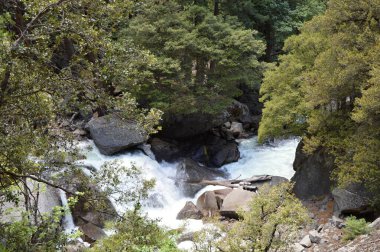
(125, 125)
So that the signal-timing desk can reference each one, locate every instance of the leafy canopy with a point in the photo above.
(327, 89)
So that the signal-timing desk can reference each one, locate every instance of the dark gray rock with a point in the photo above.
(228, 153)
(353, 199)
(112, 134)
(240, 112)
(189, 211)
(91, 233)
(190, 172)
(314, 236)
(185, 126)
(251, 97)
(208, 149)
(216, 152)
(312, 177)
(94, 207)
(164, 150)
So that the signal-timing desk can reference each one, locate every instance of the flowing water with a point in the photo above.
(68, 221)
(276, 159)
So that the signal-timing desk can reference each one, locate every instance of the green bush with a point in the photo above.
(355, 227)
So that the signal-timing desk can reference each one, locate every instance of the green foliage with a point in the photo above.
(53, 66)
(136, 233)
(45, 236)
(327, 89)
(271, 222)
(355, 227)
(188, 56)
(274, 19)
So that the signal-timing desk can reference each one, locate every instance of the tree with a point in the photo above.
(270, 223)
(326, 89)
(274, 19)
(136, 233)
(193, 57)
(52, 66)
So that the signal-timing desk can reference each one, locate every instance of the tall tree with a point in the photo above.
(193, 56)
(51, 66)
(326, 88)
(274, 19)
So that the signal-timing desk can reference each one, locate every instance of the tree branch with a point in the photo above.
(15, 175)
(36, 18)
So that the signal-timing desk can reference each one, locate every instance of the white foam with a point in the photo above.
(255, 160)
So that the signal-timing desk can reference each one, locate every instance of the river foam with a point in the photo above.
(275, 159)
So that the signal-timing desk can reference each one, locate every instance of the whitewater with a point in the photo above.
(274, 159)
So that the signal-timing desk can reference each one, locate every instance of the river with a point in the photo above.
(274, 159)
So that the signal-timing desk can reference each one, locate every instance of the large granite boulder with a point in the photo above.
(113, 134)
(189, 173)
(312, 177)
(237, 199)
(165, 150)
(189, 211)
(207, 203)
(352, 200)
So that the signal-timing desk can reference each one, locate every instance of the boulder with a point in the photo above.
(298, 247)
(240, 112)
(184, 126)
(227, 153)
(337, 222)
(215, 151)
(91, 233)
(352, 200)
(190, 172)
(164, 150)
(250, 97)
(235, 200)
(236, 129)
(306, 242)
(207, 203)
(375, 224)
(186, 237)
(113, 134)
(189, 211)
(275, 180)
(312, 177)
(147, 149)
(93, 207)
(314, 236)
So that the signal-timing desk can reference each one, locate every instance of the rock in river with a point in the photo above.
(112, 134)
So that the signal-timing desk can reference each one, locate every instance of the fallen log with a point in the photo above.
(233, 183)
